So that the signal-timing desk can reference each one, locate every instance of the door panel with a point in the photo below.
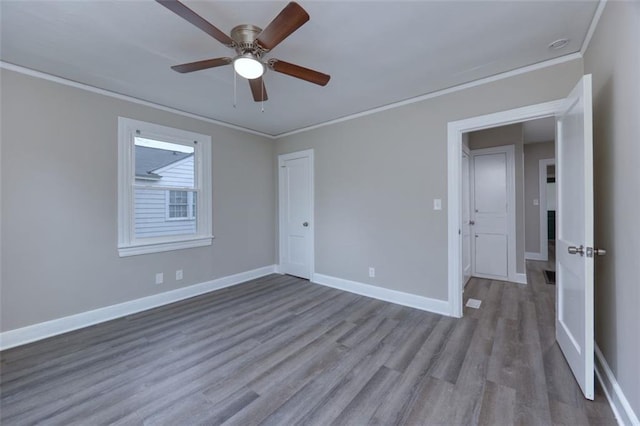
(574, 272)
(490, 212)
(491, 254)
(296, 243)
(491, 183)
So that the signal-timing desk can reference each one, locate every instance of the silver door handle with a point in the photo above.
(305, 224)
(576, 250)
(595, 252)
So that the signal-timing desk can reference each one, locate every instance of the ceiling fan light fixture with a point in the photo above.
(248, 66)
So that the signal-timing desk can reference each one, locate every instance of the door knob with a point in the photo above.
(595, 252)
(305, 224)
(472, 222)
(576, 250)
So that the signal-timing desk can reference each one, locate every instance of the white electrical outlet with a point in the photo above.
(536, 202)
(159, 278)
(437, 204)
(372, 272)
(178, 274)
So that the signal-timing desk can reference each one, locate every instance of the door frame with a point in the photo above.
(466, 151)
(509, 151)
(544, 220)
(455, 129)
(281, 228)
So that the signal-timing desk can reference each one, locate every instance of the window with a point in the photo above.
(181, 205)
(161, 171)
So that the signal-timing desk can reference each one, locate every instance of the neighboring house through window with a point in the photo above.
(161, 172)
(181, 205)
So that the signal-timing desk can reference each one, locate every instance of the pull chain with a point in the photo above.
(235, 83)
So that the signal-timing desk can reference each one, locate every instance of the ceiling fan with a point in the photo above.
(251, 43)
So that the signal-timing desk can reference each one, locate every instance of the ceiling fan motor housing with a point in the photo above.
(244, 36)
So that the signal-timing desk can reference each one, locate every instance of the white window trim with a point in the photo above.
(128, 245)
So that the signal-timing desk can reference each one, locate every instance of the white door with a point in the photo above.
(296, 213)
(574, 234)
(466, 220)
(492, 193)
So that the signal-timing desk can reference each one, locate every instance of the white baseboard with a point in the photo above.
(43, 330)
(441, 307)
(618, 401)
(535, 256)
(520, 278)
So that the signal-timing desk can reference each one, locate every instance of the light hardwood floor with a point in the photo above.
(282, 351)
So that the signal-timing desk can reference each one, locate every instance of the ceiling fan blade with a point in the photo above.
(193, 18)
(258, 89)
(299, 72)
(288, 20)
(201, 65)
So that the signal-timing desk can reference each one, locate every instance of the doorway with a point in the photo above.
(454, 151)
(575, 248)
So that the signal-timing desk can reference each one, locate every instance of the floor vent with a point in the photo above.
(550, 277)
(473, 303)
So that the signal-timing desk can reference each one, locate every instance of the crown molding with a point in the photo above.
(93, 89)
(421, 98)
(592, 27)
(464, 86)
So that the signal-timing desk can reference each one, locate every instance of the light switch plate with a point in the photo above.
(437, 204)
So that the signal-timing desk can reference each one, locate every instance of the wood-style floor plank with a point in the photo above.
(279, 350)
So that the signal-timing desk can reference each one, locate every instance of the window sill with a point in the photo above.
(134, 250)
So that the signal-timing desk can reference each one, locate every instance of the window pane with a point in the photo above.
(163, 164)
(156, 215)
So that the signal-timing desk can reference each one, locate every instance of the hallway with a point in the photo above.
(521, 321)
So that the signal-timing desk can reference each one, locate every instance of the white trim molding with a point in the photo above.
(592, 26)
(520, 278)
(393, 296)
(528, 255)
(129, 244)
(43, 330)
(435, 94)
(455, 129)
(542, 204)
(618, 401)
(49, 77)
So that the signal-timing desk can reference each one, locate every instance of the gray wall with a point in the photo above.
(376, 177)
(59, 200)
(533, 153)
(512, 134)
(613, 57)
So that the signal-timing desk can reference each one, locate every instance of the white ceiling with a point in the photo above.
(377, 52)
